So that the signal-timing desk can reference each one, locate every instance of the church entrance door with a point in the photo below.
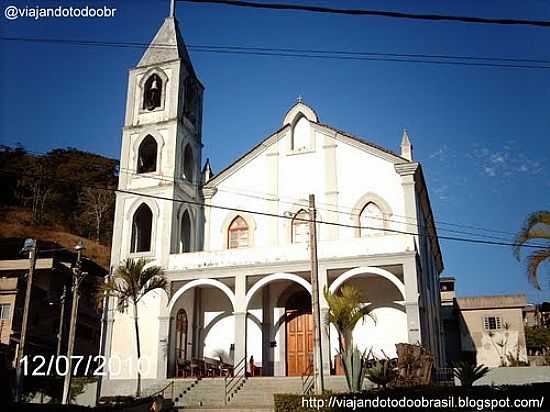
(299, 334)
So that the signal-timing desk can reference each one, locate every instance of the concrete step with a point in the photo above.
(256, 393)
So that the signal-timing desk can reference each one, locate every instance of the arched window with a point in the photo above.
(142, 225)
(185, 233)
(188, 163)
(300, 227)
(238, 234)
(152, 92)
(147, 155)
(191, 100)
(371, 219)
(299, 139)
(181, 334)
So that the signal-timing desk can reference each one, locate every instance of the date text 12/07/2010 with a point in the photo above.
(39, 365)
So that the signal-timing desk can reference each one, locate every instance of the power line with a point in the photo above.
(379, 13)
(302, 202)
(437, 59)
(269, 214)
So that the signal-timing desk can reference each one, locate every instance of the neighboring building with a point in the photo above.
(489, 328)
(537, 315)
(239, 282)
(52, 272)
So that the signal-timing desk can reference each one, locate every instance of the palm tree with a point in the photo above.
(132, 280)
(536, 226)
(345, 310)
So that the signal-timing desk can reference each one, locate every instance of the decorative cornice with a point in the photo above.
(209, 192)
(406, 169)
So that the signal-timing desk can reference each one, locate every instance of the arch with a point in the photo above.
(249, 219)
(300, 109)
(238, 234)
(300, 133)
(188, 163)
(152, 92)
(182, 325)
(202, 282)
(185, 230)
(273, 277)
(153, 101)
(368, 271)
(362, 202)
(147, 155)
(142, 229)
(300, 227)
(371, 219)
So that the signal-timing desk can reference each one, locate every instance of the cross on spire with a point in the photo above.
(172, 8)
(299, 99)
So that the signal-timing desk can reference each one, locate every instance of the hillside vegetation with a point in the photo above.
(55, 197)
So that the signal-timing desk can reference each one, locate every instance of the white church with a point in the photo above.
(239, 281)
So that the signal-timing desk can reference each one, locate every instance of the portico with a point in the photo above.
(251, 312)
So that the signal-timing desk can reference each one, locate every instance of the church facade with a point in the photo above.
(234, 246)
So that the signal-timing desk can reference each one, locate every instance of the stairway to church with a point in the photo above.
(256, 394)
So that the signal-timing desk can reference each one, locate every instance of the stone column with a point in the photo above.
(325, 340)
(239, 314)
(163, 347)
(330, 232)
(207, 194)
(240, 337)
(267, 331)
(407, 171)
(411, 301)
(272, 195)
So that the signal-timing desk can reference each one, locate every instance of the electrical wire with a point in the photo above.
(274, 215)
(302, 202)
(379, 13)
(437, 59)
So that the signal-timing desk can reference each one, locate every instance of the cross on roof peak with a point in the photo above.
(299, 99)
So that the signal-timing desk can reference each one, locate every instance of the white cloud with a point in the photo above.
(506, 162)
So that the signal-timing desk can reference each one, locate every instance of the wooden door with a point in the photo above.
(299, 341)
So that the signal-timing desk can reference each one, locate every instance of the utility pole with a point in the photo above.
(61, 319)
(28, 246)
(77, 277)
(104, 317)
(317, 353)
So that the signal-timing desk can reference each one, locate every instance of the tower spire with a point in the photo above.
(406, 146)
(172, 8)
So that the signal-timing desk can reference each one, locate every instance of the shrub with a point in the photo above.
(467, 373)
(382, 373)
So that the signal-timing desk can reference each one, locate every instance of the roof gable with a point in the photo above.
(340, 135)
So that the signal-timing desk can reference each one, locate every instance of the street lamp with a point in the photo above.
(30, 247)
(78, 275)
(61, 302)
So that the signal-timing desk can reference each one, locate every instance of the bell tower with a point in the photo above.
(161, 153)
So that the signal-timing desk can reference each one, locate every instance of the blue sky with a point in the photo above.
(482, 134)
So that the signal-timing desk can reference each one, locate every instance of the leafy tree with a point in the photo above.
(536, 226)
(133, 279)
(537, 338)
(55, 187)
